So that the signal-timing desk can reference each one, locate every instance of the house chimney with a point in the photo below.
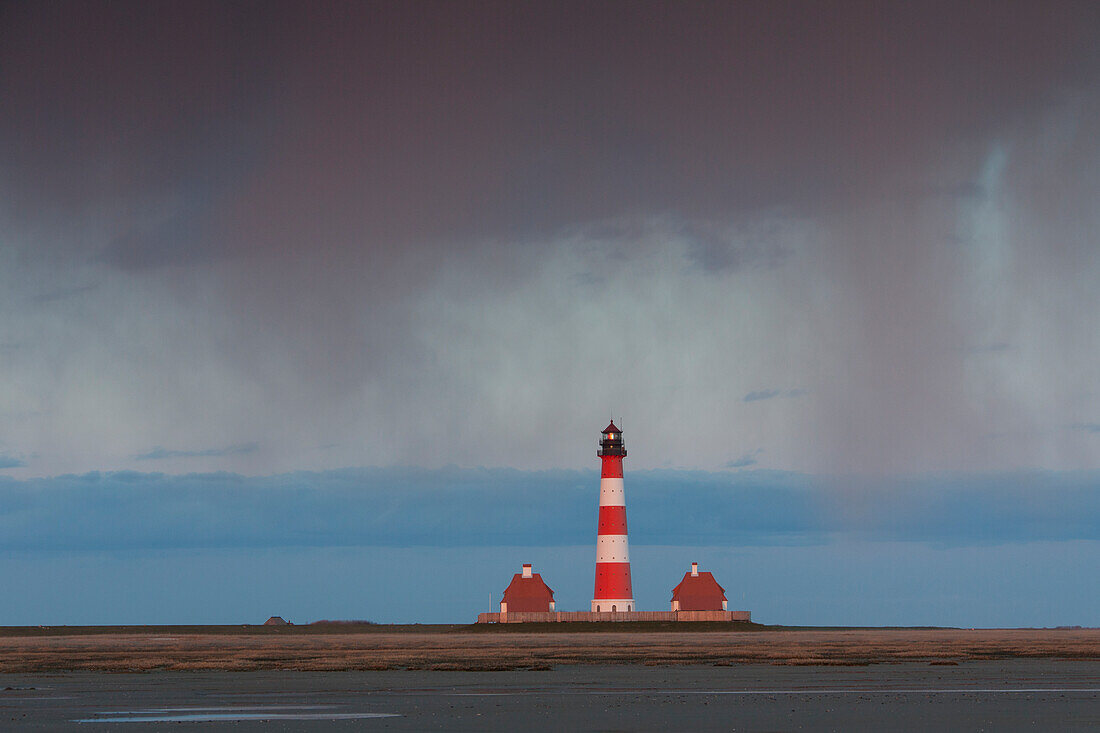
(527, 570)
(695, 570)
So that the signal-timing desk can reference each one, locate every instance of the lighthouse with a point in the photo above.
(613, 591)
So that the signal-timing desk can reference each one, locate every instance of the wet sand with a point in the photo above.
(1012, 694)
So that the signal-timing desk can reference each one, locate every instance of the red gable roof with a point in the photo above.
(611, 428)
(528, 594)
(699, 593)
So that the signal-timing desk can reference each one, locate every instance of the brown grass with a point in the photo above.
(464, 650)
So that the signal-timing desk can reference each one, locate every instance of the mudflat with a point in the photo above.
(1004, 695)
(502, 649)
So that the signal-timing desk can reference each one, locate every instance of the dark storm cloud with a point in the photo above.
(482, 507)
(160, 453)
(174, 221)
(144, 113)
(502, 119)
(377, 224)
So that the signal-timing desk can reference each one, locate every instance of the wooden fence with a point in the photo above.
(520, 617)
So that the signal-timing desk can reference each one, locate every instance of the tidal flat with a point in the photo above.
(1006, 694)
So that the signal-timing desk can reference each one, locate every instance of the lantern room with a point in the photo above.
(611, 442)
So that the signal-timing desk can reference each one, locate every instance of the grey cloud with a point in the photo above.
(749, 459)
(11, 461)
(588, 279)
(1090, 427)
(54, 296)
(764, 394)
(159, 453)
(957, 191)
(770, 394)
(996, 347)
(723, 249)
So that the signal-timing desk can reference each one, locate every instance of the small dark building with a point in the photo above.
(526, 593)
(698, 592)
(275, 621)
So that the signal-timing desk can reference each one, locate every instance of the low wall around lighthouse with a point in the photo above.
(517, 617)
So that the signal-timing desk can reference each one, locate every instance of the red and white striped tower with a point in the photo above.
(613, 591)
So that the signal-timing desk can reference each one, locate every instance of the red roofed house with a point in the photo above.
(527, 592)
(698, 592)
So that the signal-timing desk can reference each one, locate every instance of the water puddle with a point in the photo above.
(206, 715)
(650, 691)
(223, 708)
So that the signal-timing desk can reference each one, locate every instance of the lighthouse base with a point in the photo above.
(612, 605)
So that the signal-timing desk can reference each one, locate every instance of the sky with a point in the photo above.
(284, 284)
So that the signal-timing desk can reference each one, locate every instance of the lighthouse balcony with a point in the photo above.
(611, 448)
